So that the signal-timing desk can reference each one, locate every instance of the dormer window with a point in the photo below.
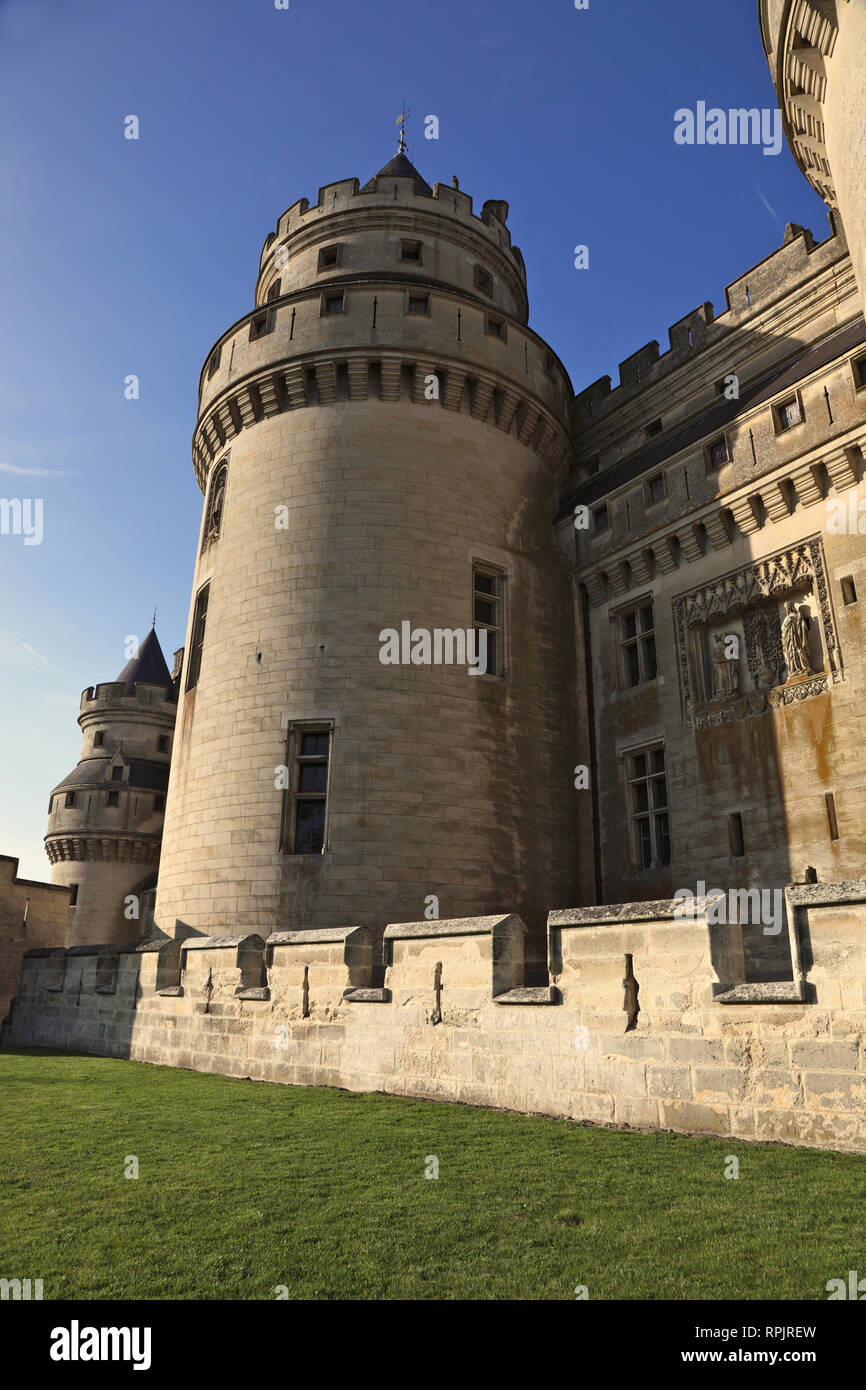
(117, 774)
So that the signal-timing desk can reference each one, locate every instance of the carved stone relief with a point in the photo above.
(760, 638)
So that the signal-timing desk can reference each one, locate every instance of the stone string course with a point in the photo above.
(709, 1054)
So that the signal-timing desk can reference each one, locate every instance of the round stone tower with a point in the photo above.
(380, 444)
(105, 819)
(816, 50)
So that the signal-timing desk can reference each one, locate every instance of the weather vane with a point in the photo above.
(401, 122)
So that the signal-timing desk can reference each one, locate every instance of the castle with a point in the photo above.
(432, 874)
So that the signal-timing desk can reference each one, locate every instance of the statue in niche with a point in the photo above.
(795, 642)
(726, 666)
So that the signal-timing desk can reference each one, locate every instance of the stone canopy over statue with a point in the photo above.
(795, 642)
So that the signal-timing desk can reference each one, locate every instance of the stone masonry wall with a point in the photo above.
(781, 1061)
(32, 915)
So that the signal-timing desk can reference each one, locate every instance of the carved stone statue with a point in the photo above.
(726, 669)
(795, 642)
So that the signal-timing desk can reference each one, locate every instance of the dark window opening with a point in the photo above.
(70, 798)
(112, 799)
(735, 835)
(411, 251)
(73, 894)
(329, 256)
(310, 757)
(654, 428)
(849, 590)
(98, 738)
(832, 822)
(199, 624)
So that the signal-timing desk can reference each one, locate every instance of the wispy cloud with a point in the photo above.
(33, 652)
(34, 472)
(768, 205)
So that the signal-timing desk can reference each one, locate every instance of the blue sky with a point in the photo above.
(121, 257)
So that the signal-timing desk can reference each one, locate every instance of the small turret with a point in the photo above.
(105, 818)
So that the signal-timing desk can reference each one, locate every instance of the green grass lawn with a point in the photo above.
(246, 1186)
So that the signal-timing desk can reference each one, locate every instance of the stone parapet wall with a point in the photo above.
(707, 1053)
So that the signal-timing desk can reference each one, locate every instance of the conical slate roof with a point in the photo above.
(399, 168)
(148, 665)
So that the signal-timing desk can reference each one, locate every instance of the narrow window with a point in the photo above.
(487, 615)
(496, 327)
(70, 798)
(112, 799)
(162, 743)
(159, 803)
(833, 824)
(648, 808)
(117, 774)
(735, 835)
(411, 251)
(73, 894)
(654, 428)
(214, 361)
(215, 503)
(306, 806)
(273, 292)
(859, 369)
(655, 489)
(197, 643)
(717, 453)
(601, 518)
(98, 738)
(849, 591)
(484, 280)
(637, 645)
(419, 304)
(329, 257)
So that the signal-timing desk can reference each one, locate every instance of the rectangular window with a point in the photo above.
(159, 803)
(214, 362)
(70, 798)
(832, 822)
(858, 366)
(648, 808)
(162, 743)
(117, 774)
(601, 517)
(717, 453)
(849, 590)
(495, 327)
(787, 414)
(112, 799)
(735, 835)
(637, 646)
(329, 257)
(419, 304)
(73, 894)
(306, 805)
(261, 324)
(199, 623)
(654, 428)
(411, 251)
(655, 489)
(98, 738)
(487, 587)
(273, 292)
(484, 280)
(333, 303)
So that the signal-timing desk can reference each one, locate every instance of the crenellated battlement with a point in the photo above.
(752, 302)
(96, 699)
(645, 1022)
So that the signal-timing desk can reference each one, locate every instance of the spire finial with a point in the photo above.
(401, 122)
(153, 624)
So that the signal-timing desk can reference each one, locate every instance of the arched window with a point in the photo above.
(216, 502)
